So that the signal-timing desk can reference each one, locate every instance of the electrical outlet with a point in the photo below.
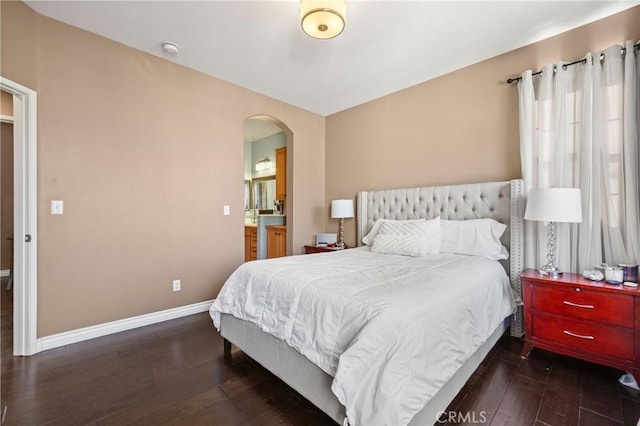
(226, 210)
(176, 285)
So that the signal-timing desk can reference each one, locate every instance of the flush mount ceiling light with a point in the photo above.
(170, 48)
(323, 18)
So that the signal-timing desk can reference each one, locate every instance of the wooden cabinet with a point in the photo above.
(276, 241)
(590, 320)
(281, 173)
(320, 249)
(250, 243)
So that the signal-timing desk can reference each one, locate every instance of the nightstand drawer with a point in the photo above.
(579, 303)
(587, 336)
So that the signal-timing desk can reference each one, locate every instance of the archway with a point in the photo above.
(263, 134)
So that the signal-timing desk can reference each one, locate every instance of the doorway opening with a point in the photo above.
(6, 221)
(267, 187)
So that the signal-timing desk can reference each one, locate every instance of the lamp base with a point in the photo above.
(340, 243)
(550, 270)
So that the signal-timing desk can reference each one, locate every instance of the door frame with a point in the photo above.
(25, 215)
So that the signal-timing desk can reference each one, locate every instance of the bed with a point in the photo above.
(323, 381)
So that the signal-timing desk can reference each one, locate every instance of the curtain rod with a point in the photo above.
(565, 66)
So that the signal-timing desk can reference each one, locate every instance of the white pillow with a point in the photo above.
(368, 239)
(408, 238)
(476, 237)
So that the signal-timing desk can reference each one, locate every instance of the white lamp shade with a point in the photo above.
(323, 18)
(554, 205)
(341, 208)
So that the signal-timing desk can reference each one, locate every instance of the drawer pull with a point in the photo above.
(578, 335)
(577, 305)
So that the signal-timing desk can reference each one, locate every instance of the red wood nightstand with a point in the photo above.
(590, 320)
(320, 249)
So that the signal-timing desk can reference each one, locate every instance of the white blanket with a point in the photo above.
(391, 330)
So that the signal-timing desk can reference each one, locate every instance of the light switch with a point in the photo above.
(227, 211)
(56, 206)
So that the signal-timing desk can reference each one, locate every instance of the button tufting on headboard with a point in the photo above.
(449, 202)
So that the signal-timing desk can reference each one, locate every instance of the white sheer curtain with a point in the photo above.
(579, 128)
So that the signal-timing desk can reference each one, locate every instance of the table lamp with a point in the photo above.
(341, 209)
(553, 205)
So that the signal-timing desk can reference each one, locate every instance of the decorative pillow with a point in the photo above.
(408, 238)
(368, 239)
(476, 237)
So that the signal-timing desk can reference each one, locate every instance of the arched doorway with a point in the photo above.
(268, 155)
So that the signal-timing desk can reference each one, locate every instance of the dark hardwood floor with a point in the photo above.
(175, 373)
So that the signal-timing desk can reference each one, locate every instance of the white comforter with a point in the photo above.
(391, 330)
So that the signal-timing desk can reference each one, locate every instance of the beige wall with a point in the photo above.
(6, 190)
(461, 127)
(6, 180)
(144, 153)
(6, 103)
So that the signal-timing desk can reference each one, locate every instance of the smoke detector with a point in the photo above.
(170, 48)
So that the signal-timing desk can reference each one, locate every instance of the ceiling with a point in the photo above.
(386, 45)
(259, 128)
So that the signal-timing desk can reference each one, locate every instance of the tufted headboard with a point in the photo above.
(502, 201)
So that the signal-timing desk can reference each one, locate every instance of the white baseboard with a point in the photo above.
(86, 333)
(5, 273)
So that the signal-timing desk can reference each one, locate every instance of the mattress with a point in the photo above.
(390, 330)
